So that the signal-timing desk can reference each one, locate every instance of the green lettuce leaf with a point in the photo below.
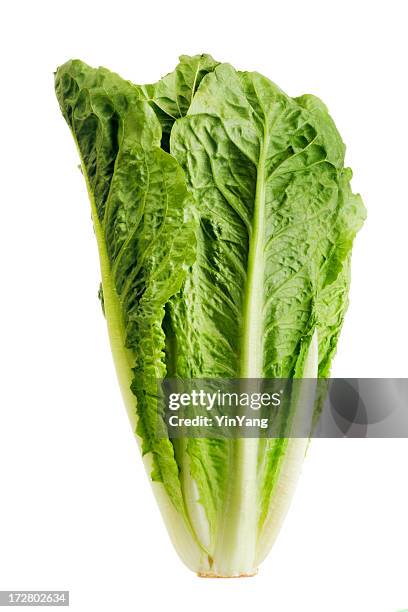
(138, 196)
(171, 97)
(275, 221)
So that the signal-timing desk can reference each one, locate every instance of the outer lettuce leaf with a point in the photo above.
(138, 197)
(275, 221)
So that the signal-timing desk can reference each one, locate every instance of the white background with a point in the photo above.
(76, 511)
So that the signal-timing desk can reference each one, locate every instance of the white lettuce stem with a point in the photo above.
(237, 537)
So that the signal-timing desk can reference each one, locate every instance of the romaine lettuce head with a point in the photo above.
(224, 220)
